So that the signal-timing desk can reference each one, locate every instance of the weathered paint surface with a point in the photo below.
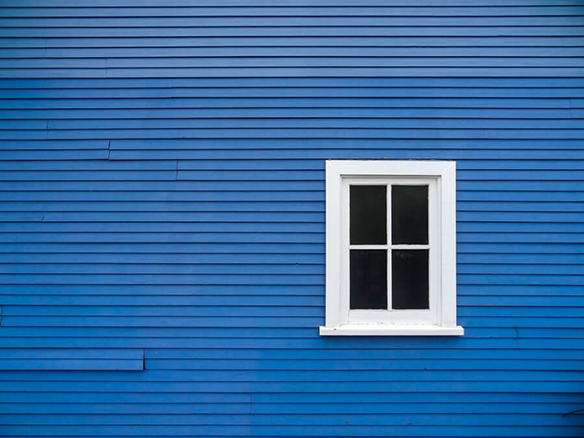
(162, 214)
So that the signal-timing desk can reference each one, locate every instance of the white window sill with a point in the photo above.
(391, 330)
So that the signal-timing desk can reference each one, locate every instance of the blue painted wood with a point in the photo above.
(296, 3)
(369, 9)
(283, 419)
(71, 360)
(368, 83)
(277, 408)
(162, 211)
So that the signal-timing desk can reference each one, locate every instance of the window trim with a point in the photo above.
(337, 308)
(421, 316)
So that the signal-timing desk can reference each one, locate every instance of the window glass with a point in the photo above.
(409, 279)
(368, 215)
(409, 214)
(368, 285)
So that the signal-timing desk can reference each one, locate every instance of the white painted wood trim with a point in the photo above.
(404, 247)
(447, 193)
(444, 226)
(333, 233)
(394, 330)
(410, 169)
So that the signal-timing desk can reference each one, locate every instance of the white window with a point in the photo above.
(391, 248)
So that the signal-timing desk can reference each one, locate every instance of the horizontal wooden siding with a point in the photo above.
(162, 215)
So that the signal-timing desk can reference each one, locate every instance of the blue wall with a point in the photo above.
(162, 208)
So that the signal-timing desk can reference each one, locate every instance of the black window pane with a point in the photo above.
(368, 216)
(409, 214)
(409, 279)
(368, 279)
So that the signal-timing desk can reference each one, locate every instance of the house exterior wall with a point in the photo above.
(162, 215)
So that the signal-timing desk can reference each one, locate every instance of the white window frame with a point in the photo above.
(440, 319)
